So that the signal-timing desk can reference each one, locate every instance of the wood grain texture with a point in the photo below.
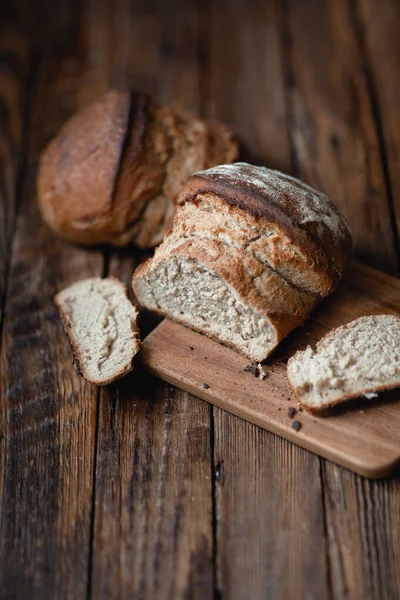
(378, 32)
(153, 535)
(333, 131)
(153, 495)
(338, 141)
(245, 79)
(217, 374)
(363, 534)
(16, 78)
(312, 88)
(264, 478)
(14, 69)
(48, 416)
(247, 89)
(48, 419)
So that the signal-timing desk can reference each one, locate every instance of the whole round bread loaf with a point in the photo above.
(113, 173)
(252, 251)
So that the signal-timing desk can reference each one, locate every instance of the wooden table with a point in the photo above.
(140, 490)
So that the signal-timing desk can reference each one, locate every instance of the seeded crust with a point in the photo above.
(113, 172)
(311, 226)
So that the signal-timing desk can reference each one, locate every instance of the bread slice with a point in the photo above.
(250, 254)
(357, 359)
(101, 324)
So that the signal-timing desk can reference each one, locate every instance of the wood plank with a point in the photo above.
(15, 84)
(363, 532)
(378, 32)
(254, 545)
(153, 533)
(277, 492)
(153, 501)
(48, 413)
(246, 80)
(14, 78)
(334, 103)
(333, 131)
(192, 361)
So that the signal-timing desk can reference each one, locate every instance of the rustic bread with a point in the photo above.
(251, 253)
(357, 359)
(113, 172)
(101, 324)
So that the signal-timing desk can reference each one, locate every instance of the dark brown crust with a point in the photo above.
(324, 411)
(326, 253)
(134, 136)
(131, 156)
(75, 354)
(79, 166)
(113, 163)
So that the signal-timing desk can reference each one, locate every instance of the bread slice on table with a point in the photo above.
(357, 359)
(113, 173)
(101, 325)
(250, 254)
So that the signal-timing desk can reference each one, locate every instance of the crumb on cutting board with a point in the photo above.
(256, 370)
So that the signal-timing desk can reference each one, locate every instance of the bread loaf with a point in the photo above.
(357, 359)
(113, 172)
(101, 324)
(251, 253)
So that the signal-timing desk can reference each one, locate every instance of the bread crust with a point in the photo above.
(280, 305)
(210, 217)
(78, 358)
(324, 411)
(273, 197)
(113, 172)
(226, 224)
(79, 166)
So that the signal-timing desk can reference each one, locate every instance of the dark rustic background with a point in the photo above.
(140, 490)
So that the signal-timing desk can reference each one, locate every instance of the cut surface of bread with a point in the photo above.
(239, 274)
(357, 359)
(190, 293)
(101, 324)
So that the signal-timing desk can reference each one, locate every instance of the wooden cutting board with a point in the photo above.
(363, 436)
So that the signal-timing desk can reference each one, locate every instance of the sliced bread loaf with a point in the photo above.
(101, 324)
(250, 254)
(357, 359)
(113, 173)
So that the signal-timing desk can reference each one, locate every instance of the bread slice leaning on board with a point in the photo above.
(114, 171)
(251, 252)
(101, 325)
(357, 359)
